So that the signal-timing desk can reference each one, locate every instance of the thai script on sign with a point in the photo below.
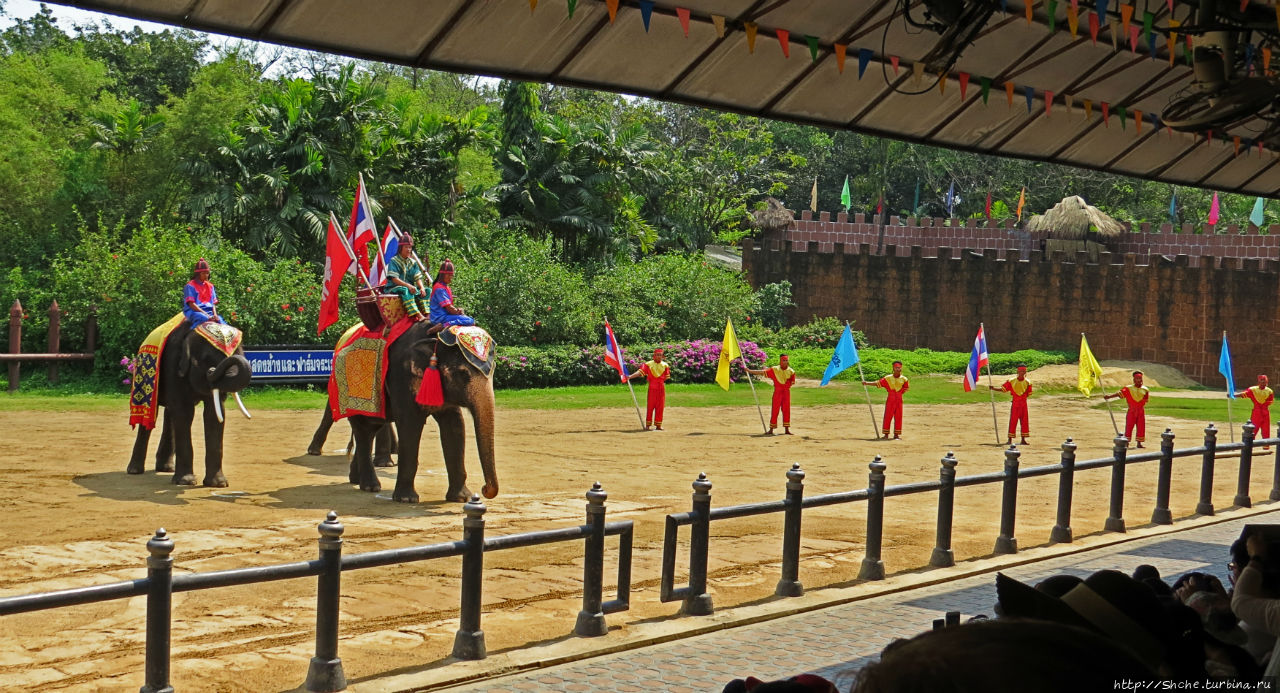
(280, 364)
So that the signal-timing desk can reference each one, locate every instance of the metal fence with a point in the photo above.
(325, 670)
(696, 600)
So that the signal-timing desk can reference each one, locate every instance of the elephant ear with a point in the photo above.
(184, 361)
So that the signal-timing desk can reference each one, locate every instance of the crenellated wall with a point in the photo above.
(1167, 310)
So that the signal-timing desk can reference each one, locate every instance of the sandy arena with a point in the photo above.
(73, 517)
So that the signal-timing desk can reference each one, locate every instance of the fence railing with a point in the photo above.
(53, 356)
(696, 600)
(325, 670)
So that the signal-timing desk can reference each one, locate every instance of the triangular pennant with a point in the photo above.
(573, 5)
(1120, 111)
(1236, 141)
(942, 83)
(813, 47)
(1170, 44)
(1004, 6)
(1093, 27)
(683, 14)
(985, 83)
(646, 13)
(1173, 35)
(1030, 93)
(864, 57)
(716, 20)
(841, 49)
(917, 70)
(1073, 18)
(751, 28)
(1170, 6)
(533, 5)
(1101, 8)
(893, 60)
(1053, 15)
(1048, 102)
(1248, 59)
(964, 84)
(1208, 137)
(1134, 31)
(1106, 114)
(1008, 92)
(784, 40)
(1151, 45)
(1137, 122)
(1088, 109)
(1067, 100)
(1115, 34)
(1244, 5)
(1031, 8)
(1147, 19)
(1189, 51)
(1126, 16)
(613, 10)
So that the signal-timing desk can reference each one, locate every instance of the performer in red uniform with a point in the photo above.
(1136, 397)
(895, 386)
(656, 372)
(1262, 397)
(1020, 389)
(782, 377)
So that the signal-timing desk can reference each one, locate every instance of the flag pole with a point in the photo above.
(743, 358)
(345, 244)
(1104, 392)
(995, 423)
(1231, 426)
(413, 253)
(629, 386)
(869, 409)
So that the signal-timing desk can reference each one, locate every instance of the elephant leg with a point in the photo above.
(213, 448)
(410, 426)
(382, 448)
(364, 429)
(137, 460)
(322, 432)
(164, 453)
(182, 414)
(453, 442)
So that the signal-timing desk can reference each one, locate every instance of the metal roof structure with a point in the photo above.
(1030, 84)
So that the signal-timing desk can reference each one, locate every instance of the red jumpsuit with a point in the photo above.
(1136, 416)
(1262, 397)
(783, 379)
(656, 374)
(1021, 390)
(895, 387)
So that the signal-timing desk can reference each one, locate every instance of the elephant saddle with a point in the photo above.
(476, 345)
(144, 393)
(224, 338)
(357, 382)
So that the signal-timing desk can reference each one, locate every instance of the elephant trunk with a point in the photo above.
(231, 374)
(482, 412)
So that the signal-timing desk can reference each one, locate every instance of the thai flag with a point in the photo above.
(361, 231)
(977, 360)
(613, 353)
(389, 247)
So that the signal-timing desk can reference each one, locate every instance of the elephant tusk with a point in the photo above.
(241, 405)
(217, 404)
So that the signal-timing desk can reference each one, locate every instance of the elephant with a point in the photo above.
(192, 370)
(465, 387)
(384, 445)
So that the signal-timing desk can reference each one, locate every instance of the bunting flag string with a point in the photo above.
(841, 49)
(613, 9)
(893, 60)
(1029, 93)
(716, 19)
(683, 14)
(646, 13)
(1137, 122)
(784, 40)
(964, 84)
(1008, 90)
(813, 47)
(1106, 114)
(1073, 18)
(751, 28)
(1048, 102)
(1088, 109)
(985, 83)
(1093, 27)
(864, 57)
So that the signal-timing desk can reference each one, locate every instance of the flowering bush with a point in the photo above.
(129, 364)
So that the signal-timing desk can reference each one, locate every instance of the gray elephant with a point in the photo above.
(193, 368)
(467, 384)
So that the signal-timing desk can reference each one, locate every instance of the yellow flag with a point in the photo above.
(813, 195)
(728, 352)
(1090, 371)
(1022, 199)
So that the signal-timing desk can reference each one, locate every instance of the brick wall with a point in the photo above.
(1145, 241)
(1166, 311)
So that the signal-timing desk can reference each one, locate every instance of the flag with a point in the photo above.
(880, 206)
(951, 198)
(613, 353)
(1090, 371)
(1173, 207)
(361, 231)
(337, 262)
(728, 352)
(1022, 199)
(1256, 217)
(387, 249)
(977, 360)
(1224, 367)
(813, 195)
(845, 198)
(988, 205)
(1213, 210)
(845, 355)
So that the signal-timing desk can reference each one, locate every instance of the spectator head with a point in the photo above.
(804, 683)
(1145, 571)
(1217, 618)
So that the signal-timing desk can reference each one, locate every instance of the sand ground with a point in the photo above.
(73, 518)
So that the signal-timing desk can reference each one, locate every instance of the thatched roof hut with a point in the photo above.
(1074, 219)
(772, 217)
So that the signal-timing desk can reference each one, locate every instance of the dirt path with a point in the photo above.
(73, 517)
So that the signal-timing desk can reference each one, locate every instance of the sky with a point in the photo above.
(70, 16)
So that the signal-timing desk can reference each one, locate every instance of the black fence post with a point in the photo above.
(159, 606)
(591, 619)
(1205, 506)
(1161, 515)
(325, 674)
(942, 555)
(1246, 466)
(468, 643)
(1006, 543)
(698, 603)
(1115, 518)
(872, 567)
(789, 584)
(1275, 473)
(1061, 532)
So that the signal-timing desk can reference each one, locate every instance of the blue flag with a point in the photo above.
(1173, 207)
(1224, 367)
(846, 354)
(1256, 218)
(951, 198)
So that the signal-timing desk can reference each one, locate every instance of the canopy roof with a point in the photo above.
(1072, 218)
(1053, 78)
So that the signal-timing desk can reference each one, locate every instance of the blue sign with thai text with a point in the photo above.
(289, 364)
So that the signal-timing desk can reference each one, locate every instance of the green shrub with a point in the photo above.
(811, 363)
(819, 333)
(554, 366)
(774, 301)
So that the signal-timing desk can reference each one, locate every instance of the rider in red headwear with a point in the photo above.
(442, 310)
(199, 300)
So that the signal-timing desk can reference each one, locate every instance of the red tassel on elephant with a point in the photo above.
(431, 392)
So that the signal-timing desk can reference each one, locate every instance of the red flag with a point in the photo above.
(337, 261)
(880, 205)
(988, 205)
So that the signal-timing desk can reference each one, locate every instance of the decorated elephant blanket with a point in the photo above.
(360, 370)
(476, 345)
(144, 394)
(224, 338)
